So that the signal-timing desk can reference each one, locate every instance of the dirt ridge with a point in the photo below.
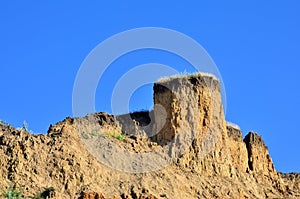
(219, 162)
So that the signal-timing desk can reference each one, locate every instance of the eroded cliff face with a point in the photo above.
(238, 149)
(210, 159)
(193, 104)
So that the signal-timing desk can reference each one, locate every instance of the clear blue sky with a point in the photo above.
(255, 45)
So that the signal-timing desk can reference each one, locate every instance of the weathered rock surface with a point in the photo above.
(238, 149)
(216, 163)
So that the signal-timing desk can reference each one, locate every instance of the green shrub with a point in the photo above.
(17, 194)
(13, 194)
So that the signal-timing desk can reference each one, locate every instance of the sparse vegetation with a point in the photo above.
(85, 136)
(13, 194)
(25, 126)
(120, 137)
(4, 123)
(94, 133)
(109, 133)
(163, 195)
(186, 74)
(16, 194)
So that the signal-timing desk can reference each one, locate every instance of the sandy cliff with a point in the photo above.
(183, 148)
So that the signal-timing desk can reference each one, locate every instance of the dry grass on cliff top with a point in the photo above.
(187, 75)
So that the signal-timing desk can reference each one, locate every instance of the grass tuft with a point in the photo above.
(109, 133)
(25, 126)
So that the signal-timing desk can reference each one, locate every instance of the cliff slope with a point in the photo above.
(183, 148)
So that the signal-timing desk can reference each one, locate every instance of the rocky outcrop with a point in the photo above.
(238, 149)
(193, 105)
(210, 158)
(259, 160)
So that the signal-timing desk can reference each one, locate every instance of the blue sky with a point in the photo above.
(255, 45)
